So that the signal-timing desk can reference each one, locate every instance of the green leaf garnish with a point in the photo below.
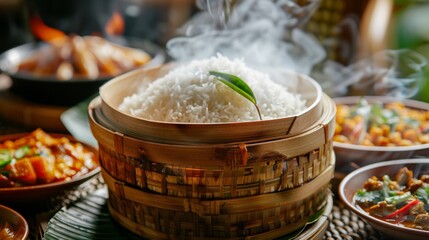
(399, 198)
(423, 194)
(21, 152)
(381, 115)
(5, 157)
(367, 198)
(238, 85)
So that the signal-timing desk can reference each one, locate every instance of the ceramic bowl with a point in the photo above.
(355, 180)
(15, 223)
(40, 192)
(50, 90)
(352, 156)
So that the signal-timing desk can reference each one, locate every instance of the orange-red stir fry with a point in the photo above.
(391, 124)
(41, 158)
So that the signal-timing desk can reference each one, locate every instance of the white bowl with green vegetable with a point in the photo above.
(392, 196)
(371, 129)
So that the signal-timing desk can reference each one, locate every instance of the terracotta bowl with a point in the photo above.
(37, 193)
(352, 156)
(15, 222)
(354, 181)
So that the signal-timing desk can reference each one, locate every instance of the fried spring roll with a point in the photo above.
(101, 51)
(84, 60)
(65, 71)
(137, 56)
(48, 64)
(30, 63)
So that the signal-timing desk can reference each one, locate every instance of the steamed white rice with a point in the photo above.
(189, 94)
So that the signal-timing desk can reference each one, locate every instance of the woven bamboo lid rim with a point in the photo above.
(113, 92)
(327, 123)
(157, 152)
(105, 100)
(328, 113)
(225, 206)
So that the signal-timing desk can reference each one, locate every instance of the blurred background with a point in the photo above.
(154, 20)
(371, 47)
(29, 101)
(347, 30)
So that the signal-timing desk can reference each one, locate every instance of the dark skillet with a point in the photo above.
(51, 91)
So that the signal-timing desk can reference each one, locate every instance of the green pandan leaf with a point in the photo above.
(238, 85)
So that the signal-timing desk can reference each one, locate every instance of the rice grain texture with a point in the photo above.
(189, 94)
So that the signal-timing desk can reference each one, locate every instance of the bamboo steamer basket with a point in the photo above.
(266, 216)
(244, 190)
(216, 171)
(253, 180)
(113, 93)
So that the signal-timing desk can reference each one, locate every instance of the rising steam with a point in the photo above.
(395, 73)
(269, 34)
(263, 33)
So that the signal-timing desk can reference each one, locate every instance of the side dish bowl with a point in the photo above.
(35, 193)
(355, 180)
(14, 222)
(352, 156)
(50, 90)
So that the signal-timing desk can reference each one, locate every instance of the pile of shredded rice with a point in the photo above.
(189, 94)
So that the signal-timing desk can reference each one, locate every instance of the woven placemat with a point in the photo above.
(38, 214)
(345, 225)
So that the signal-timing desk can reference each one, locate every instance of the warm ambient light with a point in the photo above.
(380, 20)
(115, 26)
(375, 24)
(43, 32)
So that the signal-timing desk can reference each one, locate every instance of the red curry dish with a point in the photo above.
(402, 199)
(40, 158)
